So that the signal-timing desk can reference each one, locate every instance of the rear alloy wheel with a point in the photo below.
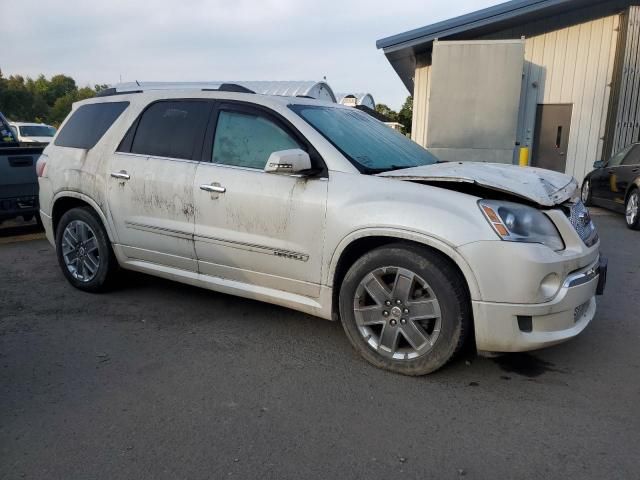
(586, 192)
(84, 251)
(404, 309)
(80, 251)
(632, 210)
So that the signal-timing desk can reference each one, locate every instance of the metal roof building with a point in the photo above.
(319, 90)
(354, 99)
(554, 76)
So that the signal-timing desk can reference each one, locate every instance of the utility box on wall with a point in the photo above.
(474, 100)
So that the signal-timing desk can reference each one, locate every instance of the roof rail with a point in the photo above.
(139, 87)
(108, 92)
(229, 87)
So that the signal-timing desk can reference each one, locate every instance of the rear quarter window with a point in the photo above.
(88, 124)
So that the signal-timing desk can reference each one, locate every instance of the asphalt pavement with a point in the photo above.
(158, 380)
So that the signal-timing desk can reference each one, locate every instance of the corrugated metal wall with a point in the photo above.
(624, 127)
(572, 65)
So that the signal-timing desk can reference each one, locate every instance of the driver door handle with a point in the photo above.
(122, 175)
(213, 188)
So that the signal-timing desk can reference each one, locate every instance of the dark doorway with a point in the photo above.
(551, 137)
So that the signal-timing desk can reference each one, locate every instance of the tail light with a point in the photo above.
(41, 165)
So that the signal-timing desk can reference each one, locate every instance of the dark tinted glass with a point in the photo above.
(171, 129)
(633, 157)
(88, 124)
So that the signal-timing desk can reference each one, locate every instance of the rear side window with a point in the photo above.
(171, 129)
(88, 124)
(245, 140)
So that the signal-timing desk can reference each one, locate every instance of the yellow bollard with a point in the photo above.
(524, 157)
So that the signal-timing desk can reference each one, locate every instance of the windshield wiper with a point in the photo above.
(373, 171)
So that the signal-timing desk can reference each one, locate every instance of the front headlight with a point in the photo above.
(514, 222)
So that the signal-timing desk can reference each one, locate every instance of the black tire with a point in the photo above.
(107, 265)
(586, 193)
(446, 283)
(633, 223)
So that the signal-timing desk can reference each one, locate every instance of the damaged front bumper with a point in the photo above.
(505, 327)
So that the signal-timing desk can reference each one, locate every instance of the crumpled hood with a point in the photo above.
(544, 187)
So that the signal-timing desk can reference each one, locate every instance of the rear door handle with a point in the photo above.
(122, 175)
(213, 188)
(635, 170)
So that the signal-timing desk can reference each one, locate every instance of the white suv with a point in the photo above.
(323, 209)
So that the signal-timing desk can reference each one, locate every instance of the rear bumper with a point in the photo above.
(504, 327)
(18, 206)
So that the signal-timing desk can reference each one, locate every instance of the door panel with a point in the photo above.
(152, 211)
(150, 182)
(612, 180)
(551, 137)
(260, 228)
(625, 174)
(265, 229)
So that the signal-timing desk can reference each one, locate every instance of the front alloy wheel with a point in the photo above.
(397, 313)
(405, 308)
(586, 192)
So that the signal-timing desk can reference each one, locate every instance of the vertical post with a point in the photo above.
(524, 157)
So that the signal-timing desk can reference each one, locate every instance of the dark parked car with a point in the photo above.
(616, 185)
(18, 177)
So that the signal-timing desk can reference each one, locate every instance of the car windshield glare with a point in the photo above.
(370, 145)
(37, 131)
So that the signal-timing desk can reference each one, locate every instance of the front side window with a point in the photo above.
(88, 124)
(633, 157)
(370, 145)
(171, 129)
(616, 160)
(247, 140)
(37, 131)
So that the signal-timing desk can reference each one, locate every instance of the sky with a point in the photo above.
(212, 40)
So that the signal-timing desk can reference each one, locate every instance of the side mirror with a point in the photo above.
(288, 162)
(599, 164)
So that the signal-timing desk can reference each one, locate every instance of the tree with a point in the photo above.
(406, 114)
(41, 99)
(387, 112)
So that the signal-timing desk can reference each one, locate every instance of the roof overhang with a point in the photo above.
(402, 49)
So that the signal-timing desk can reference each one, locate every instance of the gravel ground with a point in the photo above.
(160, 380)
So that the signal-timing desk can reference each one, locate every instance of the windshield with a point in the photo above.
(37, 131)
(368, 143)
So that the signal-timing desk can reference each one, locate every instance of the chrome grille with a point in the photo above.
(581, 220)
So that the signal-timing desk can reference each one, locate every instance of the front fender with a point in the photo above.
(403, 234)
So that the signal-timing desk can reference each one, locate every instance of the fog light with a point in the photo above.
(550, 286)
(525, 323)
